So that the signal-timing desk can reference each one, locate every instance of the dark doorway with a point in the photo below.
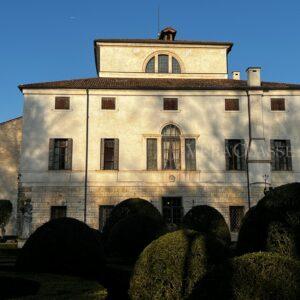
(104, 213)
(172, 210)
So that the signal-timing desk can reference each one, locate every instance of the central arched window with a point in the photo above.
(171, 148)
(163, 63)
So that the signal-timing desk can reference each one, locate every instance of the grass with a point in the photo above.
(61, 287)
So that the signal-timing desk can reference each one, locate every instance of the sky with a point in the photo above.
(53, 40)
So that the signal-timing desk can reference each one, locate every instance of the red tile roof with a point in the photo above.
(157, 84)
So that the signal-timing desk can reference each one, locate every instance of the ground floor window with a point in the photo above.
(172, 210)
(104, 213)
(236, 215)
(58, 212)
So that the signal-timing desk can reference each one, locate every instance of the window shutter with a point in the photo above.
(151, 154)
(69, 155)
(190, 154)
(51, 154)
(289, 155)
(116, 154)
(227, 154)
(273, 157)
(102, 154)
(243, 155)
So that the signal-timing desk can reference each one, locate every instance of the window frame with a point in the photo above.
(103, 99)
(170, 99)
(101, 222)
(154, 59)
(239, 164)
(149, 160)
(60, 106)
(193, 165)
(236, 227)
(170, 209)
(277, 163)
(54, 207)
(228, 105)
(280, 106)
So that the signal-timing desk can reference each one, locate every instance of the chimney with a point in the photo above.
(167, 34)
(236, 75)
(253, 76)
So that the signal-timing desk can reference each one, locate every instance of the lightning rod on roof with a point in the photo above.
(158, 20)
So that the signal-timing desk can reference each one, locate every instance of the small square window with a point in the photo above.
(278, 104)
(170, 104)
(232, 105)
(62, 102)
(108, 103)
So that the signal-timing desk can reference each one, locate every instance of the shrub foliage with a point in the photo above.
(273, 224)
(5, 213)
(207, 220)
(172, 265)
(65, 246)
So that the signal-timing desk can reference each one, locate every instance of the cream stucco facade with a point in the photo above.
(139, 115)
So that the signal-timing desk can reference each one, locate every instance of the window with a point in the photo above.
(278, 104)
(104, 214)
(281, 155)
(150, 68)
(151, 154)
(60, 154)
(232, 104)
(58, 212)
(109, 154)
(170, 104)
(235, 155)
(236, 215)
(172, 210)
(62, 102)
(190, 154)
(171, 148)
(163, 63)
(108, 103)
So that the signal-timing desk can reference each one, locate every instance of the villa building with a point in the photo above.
(161, 121)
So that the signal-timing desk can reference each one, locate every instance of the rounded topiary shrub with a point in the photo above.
(130, 207)
(128, 238)
(207, 220)
(273, 224)
(171, 266)
(261, 275)
(63, 245)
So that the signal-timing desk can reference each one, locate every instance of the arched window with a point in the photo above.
(150, 68)
(171, 148)
(163, 63)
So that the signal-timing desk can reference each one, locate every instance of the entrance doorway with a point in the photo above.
(172, 210)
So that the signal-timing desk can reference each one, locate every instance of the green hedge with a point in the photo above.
(128, 238)
(129, 207)
(273, 224)
(207, 220)
(65, 246)
(171, 266)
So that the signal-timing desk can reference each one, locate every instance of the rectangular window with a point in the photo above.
(108, 103)
(62, 102)
(232, 104)
(109, 154)
(170, 104)
(281, 154)
(172, 210)
(104, 213)
(278, 104)
(60, 154)
(190, 154)
(235, 155)
(163, 63)
(58, 212)
(236, 215)
(151, 154)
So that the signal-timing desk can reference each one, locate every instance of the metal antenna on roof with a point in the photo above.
(158, 20)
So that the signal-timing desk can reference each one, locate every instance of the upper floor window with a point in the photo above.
(62, 102)
(108, 103)
(163, 63)
(278, 104)
(170, 104)
(235, 155)
(281, 155)
(171, 148)
(232, 104)
(60, 154)
(109, 154)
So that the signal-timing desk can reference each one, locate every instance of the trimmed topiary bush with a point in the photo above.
(261, 275)
(207, 220)
(128, 207)
(128, 238)
(273, 224)
(172, 265)
(5, 213)
(65, 246)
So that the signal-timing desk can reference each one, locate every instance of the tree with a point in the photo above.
(5, 213)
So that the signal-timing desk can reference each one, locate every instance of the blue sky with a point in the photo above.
(53, 40)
